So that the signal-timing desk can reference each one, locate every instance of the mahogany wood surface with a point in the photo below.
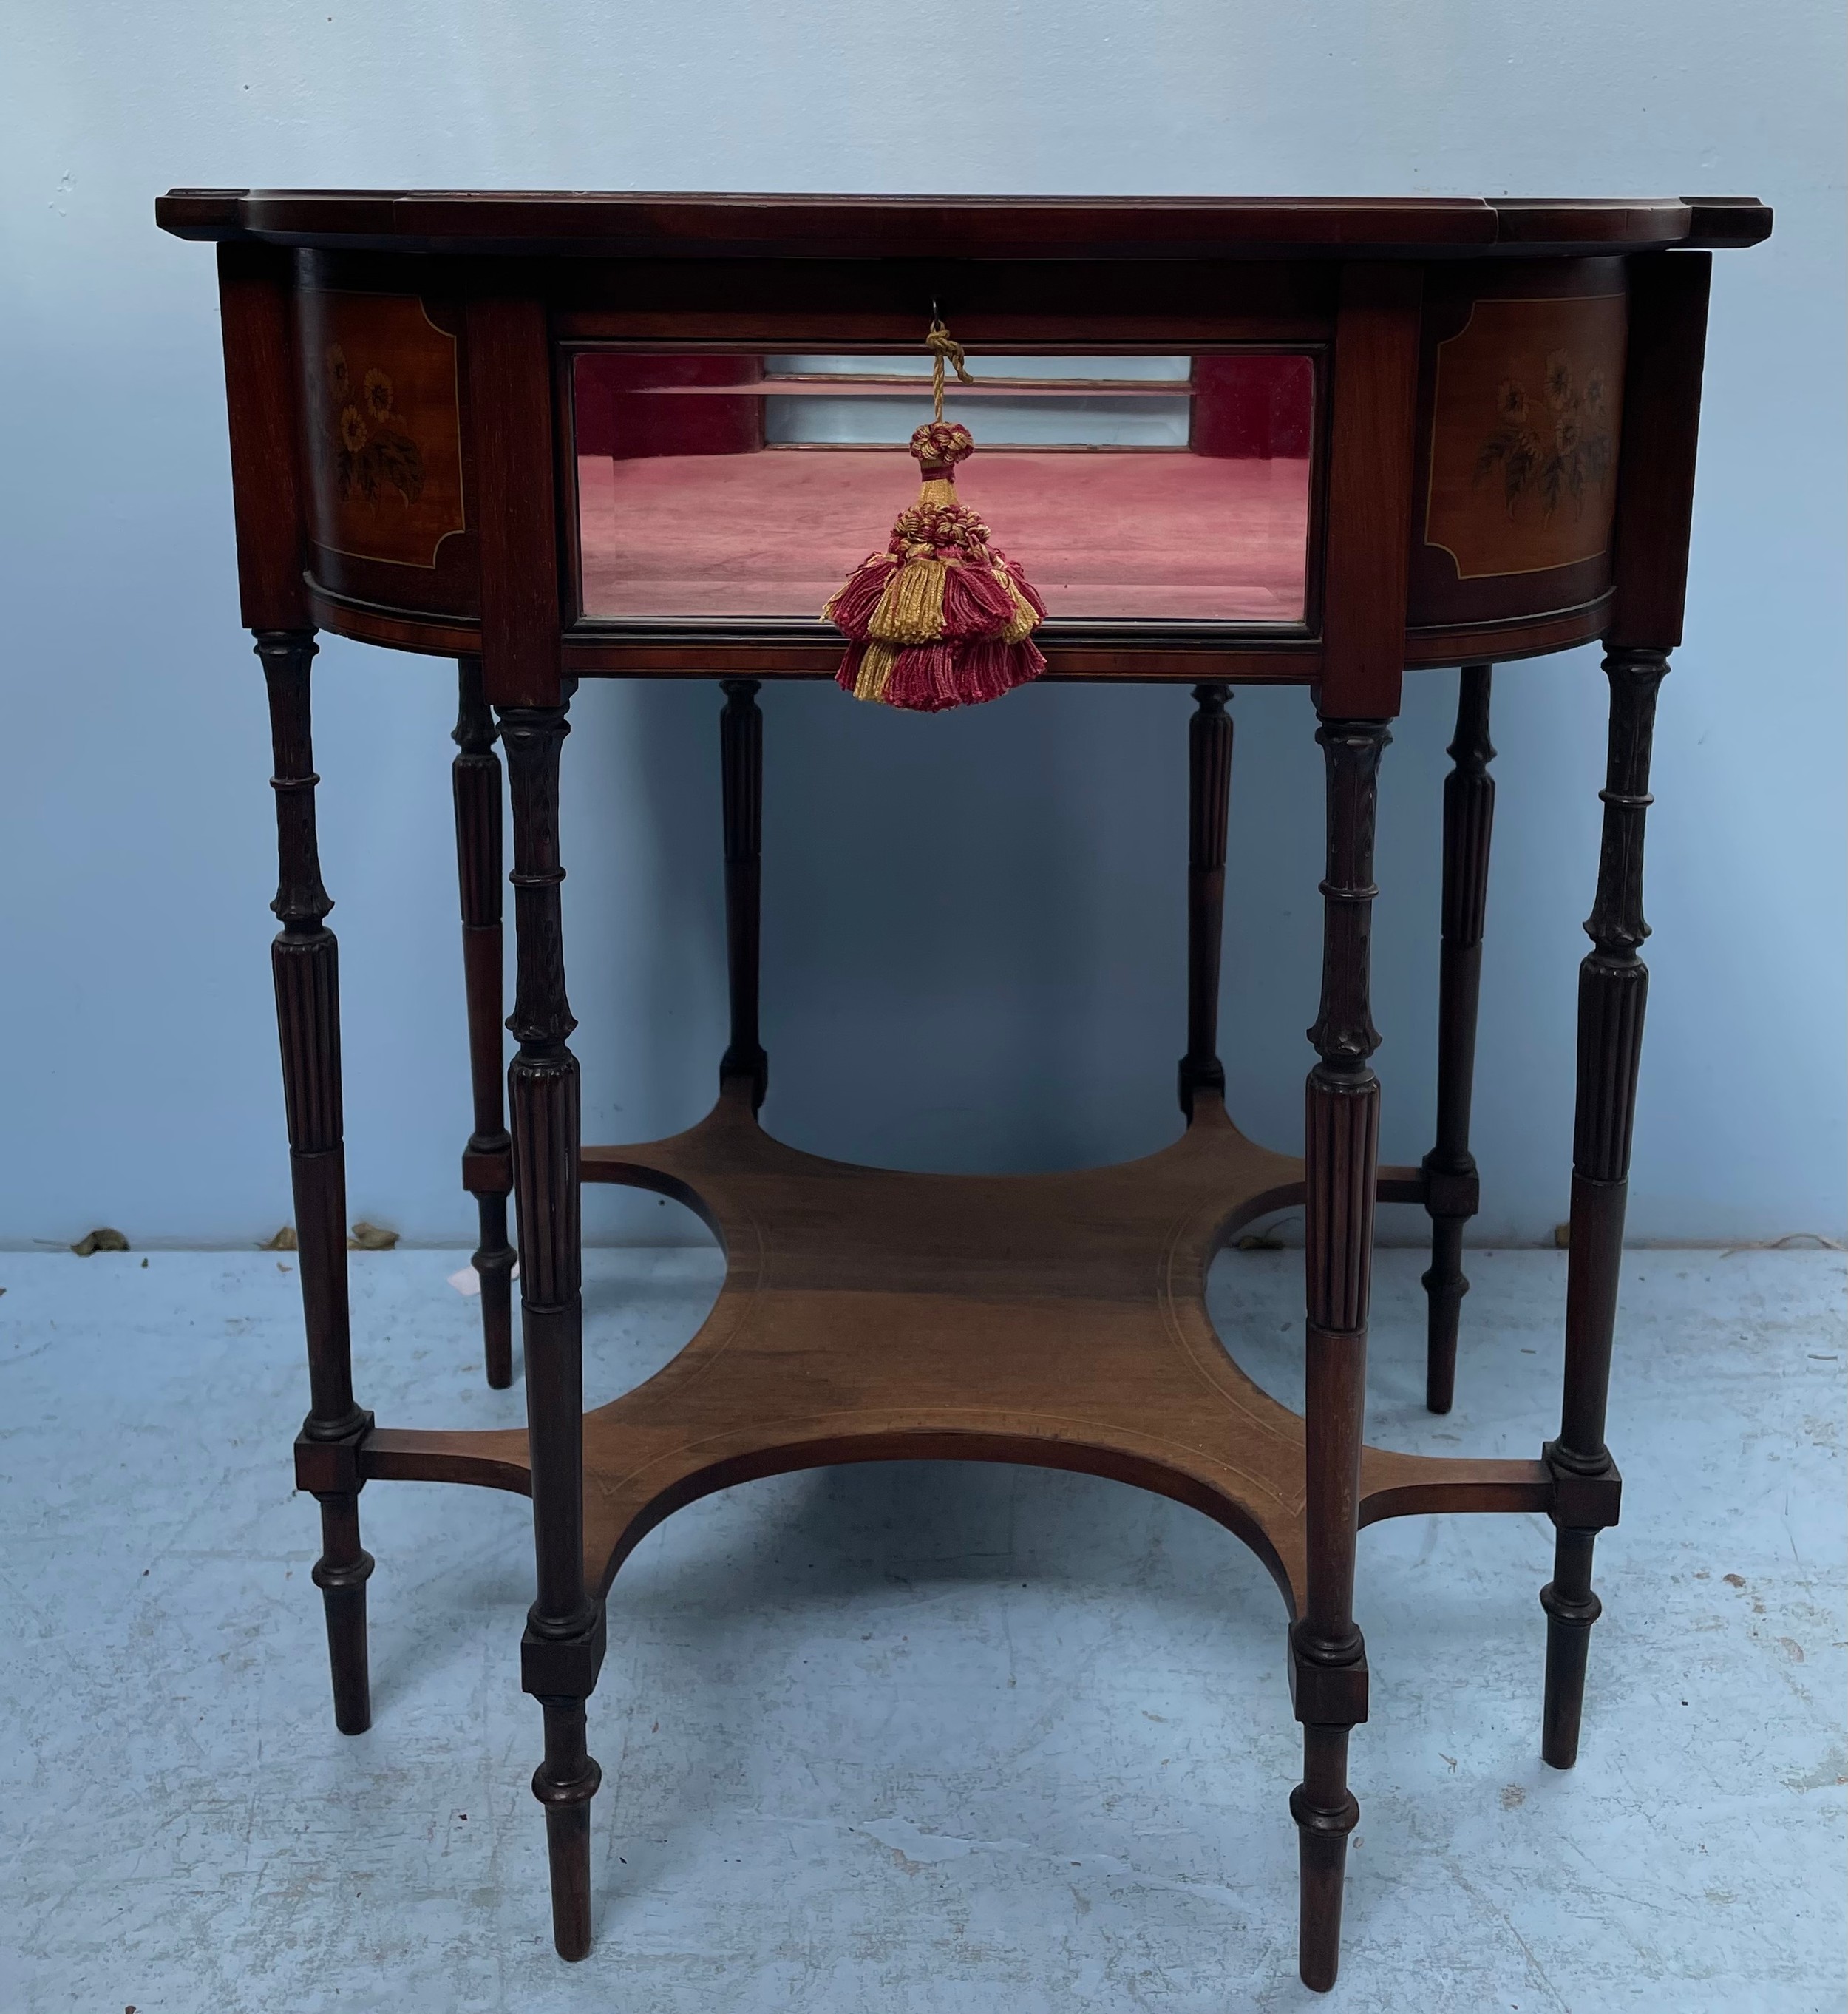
(1369, 486)
(1504, 520)
(741, 784)
(611, 224)
(510, 375)
(487, 1162)
(1137, 654)
(1328, 1676)
(1656, 492)
(563, 1648)
(1452, 1196)
(1209, 797)
(256, 313)
(304, 961)
(400, 369)
(869, 1314)
(1613, 992)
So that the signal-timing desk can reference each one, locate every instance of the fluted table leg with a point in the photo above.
(1451, 1193)
(563, 1648)
(1209, 790)
(487, 1164)
(1613, 990)
(304, 959)
(1342, 1152)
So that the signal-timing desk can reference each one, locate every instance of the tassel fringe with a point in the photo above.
(940, 618)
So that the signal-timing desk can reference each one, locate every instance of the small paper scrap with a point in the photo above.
(469, 1281)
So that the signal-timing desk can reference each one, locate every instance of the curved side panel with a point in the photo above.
(1501, 642)
(1520, 395)
(390, 493)
(394, 628)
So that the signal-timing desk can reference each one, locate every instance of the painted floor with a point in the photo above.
(904, 1738)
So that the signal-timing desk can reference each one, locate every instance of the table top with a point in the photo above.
(635, 223)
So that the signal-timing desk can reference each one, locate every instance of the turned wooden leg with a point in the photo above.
(487, 1164)
(304, 959)
(1209, 790)
(1449, 1167)
(1328, 1660)
(565, 1783)
(563, 1648)
(741, 770)
(1613, 990)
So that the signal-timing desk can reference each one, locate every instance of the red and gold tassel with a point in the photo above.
(940, 618)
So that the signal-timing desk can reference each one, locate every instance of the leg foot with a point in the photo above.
(1445, 1287)
(340, 1573)
(1325, 1812)
(1571, 1609)
(565, 1783)
(493, 1263)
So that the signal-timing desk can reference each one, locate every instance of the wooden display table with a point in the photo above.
(1303, 442)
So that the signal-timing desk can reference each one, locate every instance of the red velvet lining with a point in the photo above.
(1114, 534)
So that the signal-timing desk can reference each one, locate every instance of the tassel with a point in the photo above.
(852, 607)
(940, 618)
(923, 679)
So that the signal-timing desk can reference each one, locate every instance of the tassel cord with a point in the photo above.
(944, 349)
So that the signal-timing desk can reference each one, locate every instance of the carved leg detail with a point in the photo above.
(305, 960)
(1613, 990)
(741, 770)
(487, 1166)
(1328, 1660)
(562, 1650)
(1449, 1167)
(1209, 790)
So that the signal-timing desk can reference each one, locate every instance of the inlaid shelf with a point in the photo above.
(1054, 1319)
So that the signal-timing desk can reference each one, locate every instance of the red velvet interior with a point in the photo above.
(1117, 533)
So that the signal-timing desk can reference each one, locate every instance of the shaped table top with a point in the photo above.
(640, 225)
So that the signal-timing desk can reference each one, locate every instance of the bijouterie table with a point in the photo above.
(1317, 443)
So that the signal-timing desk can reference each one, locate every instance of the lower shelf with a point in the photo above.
(1057, 1320)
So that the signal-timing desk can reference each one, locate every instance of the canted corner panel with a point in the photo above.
(1524, 432)
(383, 412)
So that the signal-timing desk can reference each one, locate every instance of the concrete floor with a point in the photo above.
(908, 1737)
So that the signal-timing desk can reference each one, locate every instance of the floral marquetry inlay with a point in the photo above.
(1524, 433)
(384, 427)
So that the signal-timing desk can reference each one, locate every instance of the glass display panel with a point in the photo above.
(1129, 488)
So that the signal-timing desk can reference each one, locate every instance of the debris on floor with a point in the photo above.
(101, 1239)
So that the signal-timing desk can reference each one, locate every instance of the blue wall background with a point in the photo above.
(974, 925)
